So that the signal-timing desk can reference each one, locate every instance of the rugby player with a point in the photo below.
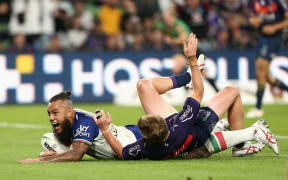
(168, 133)
(271, 18)
(76, 128)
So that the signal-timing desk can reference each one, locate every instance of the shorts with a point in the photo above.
(202, 128)
(268, 47)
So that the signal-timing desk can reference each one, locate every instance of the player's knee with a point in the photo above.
(233, 90)
(142, 84)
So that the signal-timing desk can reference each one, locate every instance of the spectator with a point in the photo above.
(77, 36)
(62, 14)
(97, 38)
(19, 44)
(5, 12)
(86, 17)
(111, 17)
(195, 15)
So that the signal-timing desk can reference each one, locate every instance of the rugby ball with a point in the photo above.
(50, 143)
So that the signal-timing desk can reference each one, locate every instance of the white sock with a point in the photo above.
(221, 125)
(219, 141)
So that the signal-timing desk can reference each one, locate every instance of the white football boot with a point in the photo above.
(222, 125)
(247, 149)
(254, 113)
(201, 64)
(263, 135)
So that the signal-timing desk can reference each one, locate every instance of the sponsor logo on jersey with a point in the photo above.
(134, 150)
(82, 131)
(184, 117)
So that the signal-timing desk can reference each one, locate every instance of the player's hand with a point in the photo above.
(47, 153)
(29, 161)
(190, 47)
(102, 121)
(269, 29)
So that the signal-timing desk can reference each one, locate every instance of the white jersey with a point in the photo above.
(84, 129)
(100, 147)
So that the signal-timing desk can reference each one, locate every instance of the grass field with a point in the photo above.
(20, 142)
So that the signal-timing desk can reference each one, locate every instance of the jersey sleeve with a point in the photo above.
(85, 130)
(134, 151)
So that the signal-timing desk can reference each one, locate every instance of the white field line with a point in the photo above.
(35, 126)
(23, 126)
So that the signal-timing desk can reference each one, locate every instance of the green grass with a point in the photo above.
(17, 144)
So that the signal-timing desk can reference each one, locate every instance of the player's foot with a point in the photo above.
(254, 113)
(222, 125)
(264, 135)
(260, 123)
(201, 64)
(247, 149)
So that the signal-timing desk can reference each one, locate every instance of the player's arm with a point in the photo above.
(103, 123)
(76, 153)
(190, 49)
(271, 29)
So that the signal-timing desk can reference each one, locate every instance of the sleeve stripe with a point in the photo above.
(82, 141)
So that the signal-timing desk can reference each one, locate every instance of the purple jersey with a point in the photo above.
(181, 137)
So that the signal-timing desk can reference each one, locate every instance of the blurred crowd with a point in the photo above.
(119, 25)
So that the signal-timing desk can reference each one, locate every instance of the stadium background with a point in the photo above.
(98, 48)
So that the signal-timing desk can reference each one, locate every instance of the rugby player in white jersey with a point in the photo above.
(76, 128)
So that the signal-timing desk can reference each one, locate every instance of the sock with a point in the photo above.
(280, 84)
(221, 125)
(212, 82)
(220, 141)
(259, 95)
(181, 80)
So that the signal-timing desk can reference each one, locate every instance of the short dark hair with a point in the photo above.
(153, 128)
(64, 96)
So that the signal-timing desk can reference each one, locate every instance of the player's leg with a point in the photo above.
(152, 102)
(229, 99)
(262, 72)
(222, 140)
(276, 82)
(149, 91)
(164, 84)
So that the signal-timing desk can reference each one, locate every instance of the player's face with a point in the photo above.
(58, 113)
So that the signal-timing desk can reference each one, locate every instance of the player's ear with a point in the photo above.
(70, 110)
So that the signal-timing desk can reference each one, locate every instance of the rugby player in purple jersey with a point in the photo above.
(167, 133)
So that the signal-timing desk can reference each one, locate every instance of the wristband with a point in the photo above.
(192, 60)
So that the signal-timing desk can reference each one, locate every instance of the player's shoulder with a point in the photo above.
(82, 114)
(83, 117)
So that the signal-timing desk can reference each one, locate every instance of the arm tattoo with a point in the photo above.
(76, 153)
